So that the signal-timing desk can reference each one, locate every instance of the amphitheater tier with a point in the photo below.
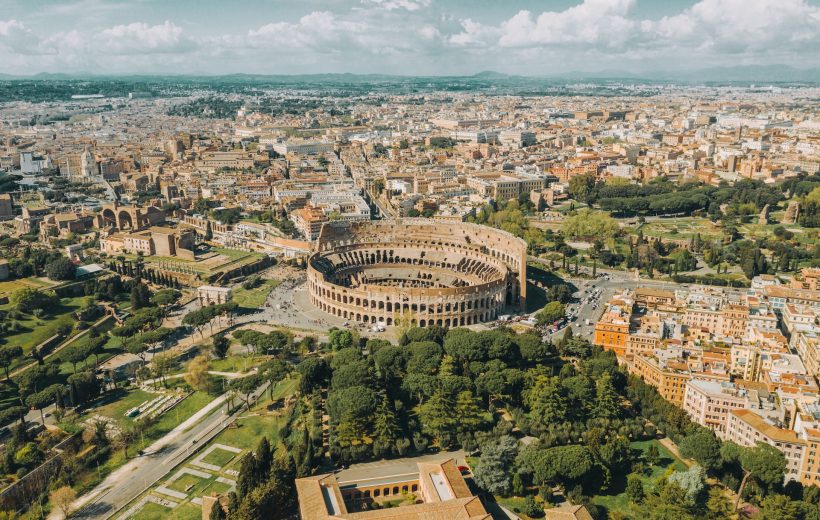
(426, 271)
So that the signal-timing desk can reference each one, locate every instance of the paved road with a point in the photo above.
(617, 282)
(128, 482)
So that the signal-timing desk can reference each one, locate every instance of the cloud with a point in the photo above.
(709, 29)
(416, 36)
(409, 5)
(740, 26)
(141, 38)
(16, 37)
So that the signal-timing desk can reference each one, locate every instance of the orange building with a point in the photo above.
(670, 380)
(612, 333)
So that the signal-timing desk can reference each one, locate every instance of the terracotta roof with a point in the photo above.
(568, 512)
(768, 430)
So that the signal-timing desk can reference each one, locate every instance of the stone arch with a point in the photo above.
(125, 221)
(109, 218)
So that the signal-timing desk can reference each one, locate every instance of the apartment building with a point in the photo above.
(747, 428)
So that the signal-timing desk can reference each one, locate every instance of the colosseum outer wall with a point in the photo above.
(432, 272)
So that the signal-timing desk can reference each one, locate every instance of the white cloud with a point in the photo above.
(16, 37)
(409, 5)
(421, 36)
(141, 38)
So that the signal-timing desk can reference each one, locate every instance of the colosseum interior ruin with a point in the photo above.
(427, 272)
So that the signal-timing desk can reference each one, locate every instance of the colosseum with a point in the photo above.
(428, 272)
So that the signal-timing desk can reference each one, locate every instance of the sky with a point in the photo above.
(408, 37)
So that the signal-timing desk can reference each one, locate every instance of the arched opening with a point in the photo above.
(125, 220)
(109, 218)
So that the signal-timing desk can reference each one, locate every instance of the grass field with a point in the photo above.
(10, 287)
(683, 228)
(254, 298)
(238, 363)
(251, 427)
(618, 501)
(34, 331)
(185, 482)
(219, 457)
(151, 511)
(115, 408)
(114, 404)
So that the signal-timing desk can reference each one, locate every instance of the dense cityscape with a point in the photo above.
(585, 295)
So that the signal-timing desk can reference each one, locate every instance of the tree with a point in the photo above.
(248, 477)
(634, 488)
(551, 312)
(244, 387)
(703, 447)
(264, 458)
(468, 411)
(28, 299)
(315, 373)
(126, 437)
(161, 364)
(563, 465)
(765, 462)
(340, 339)
(590, 225)
(197, 374)
(63, 498)
(718, 505)
(219, 346)
(217, 513)
(273, 372)
(385, 426)
(559, 293)
(652, 455)
(166, 297)
(780, 507)
(83, 386)
(8, 353)
(140, 296)
(547, 402)
(39, 401)
(60, 269)
(582, 187)
(690, 481)
(493, 470)
(607, 400)
(437, 418)
(272, 500)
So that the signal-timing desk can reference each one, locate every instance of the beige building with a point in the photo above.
(212, 295)
(747, 428)
(439, 489)
(157, 240)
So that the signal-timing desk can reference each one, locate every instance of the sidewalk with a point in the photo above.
(129, 467)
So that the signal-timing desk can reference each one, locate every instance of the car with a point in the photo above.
(463, 470)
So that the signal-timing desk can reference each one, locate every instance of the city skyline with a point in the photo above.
(408, 37)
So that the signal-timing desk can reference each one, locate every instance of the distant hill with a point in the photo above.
(764, 74)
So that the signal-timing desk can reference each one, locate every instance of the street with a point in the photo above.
(128, 482)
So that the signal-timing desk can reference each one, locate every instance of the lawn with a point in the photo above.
(683, 228)
(254, 425)
(254, 298)
(185, 483)
(619, 501)
(237, 363)
(35, 330)
(151, 511)
(8, 288)
(114, 404)
(219, 457)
